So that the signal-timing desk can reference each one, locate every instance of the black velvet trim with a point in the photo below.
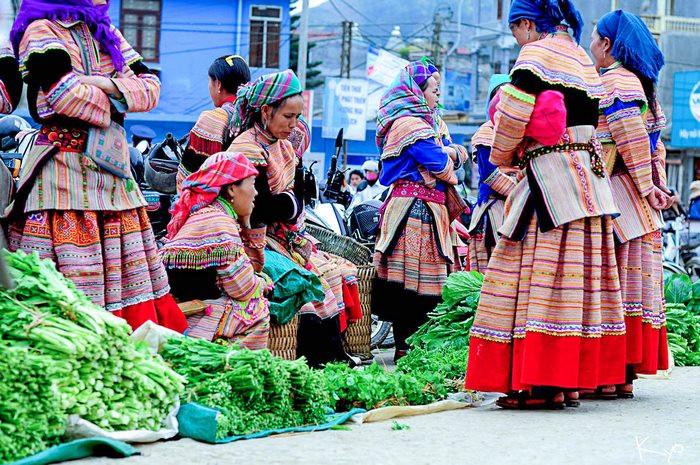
(544, 220)
(273, 208)
(47, 68)
(188, 285)
(581, 109)
(11, 78)
(319, 341)
(392, 301)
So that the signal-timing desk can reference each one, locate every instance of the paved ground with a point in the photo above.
(660, 426)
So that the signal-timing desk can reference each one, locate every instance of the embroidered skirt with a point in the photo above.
(415, 260)
(640, 264)
(550, 312)
(412, 266)
(479, 253)
(111, 256)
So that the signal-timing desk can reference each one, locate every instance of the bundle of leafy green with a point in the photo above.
(422, 377)
(99, 373)
(31, 417)
(253, 390)
(449, 324)
(683, 319)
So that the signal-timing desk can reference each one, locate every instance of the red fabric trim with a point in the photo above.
(633, 325)
(204, 146)
(163, 311)
(654, 350)
(343, 318)
(229, 99)
(543, 360)
(351, 297)
(647, 347)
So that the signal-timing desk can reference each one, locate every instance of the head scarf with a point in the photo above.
(265, 90)
(404, 98)
(632, 43)
(430, 65)
(203, 186)
(547, 14)
(95, 16)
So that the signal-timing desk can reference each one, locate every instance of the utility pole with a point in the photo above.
(437, 31)
(303, 42)
(346, 49)
(454, 46)
(345, 66)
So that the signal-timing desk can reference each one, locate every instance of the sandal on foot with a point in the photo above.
(624, 391)
(524, 401)
(571, 399)
(602, 393)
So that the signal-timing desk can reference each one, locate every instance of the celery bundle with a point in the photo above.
(104, 377)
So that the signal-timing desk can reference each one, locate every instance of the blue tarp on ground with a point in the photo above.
(79, 449)
(199, 422)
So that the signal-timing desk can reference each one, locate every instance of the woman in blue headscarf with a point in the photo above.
(630, 124)
(549, 319)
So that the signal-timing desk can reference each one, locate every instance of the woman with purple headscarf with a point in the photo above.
(414, 253)
(77, 202)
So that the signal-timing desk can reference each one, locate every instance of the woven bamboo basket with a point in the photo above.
(358, 335)
(282, 341)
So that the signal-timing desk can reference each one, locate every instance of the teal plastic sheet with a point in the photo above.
(79, 449)
(199, 422)
(294, 287)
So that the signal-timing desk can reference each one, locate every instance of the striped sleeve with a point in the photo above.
(513, 113)
(239, 280)
(140, 92)
(500, 182)
(70, 97)
(629, 133)
(658, 160)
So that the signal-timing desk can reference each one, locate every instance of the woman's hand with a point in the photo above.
(451, 152)
(244, 221)
(657, 199)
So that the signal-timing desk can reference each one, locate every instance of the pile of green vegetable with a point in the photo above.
(253, 390)
(31, 417)
(421, 377)
(88, 361)
(683, 319)
(449, 324)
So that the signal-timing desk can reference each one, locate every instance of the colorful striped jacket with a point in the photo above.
(561, 185)
(210, 239)
(498, 184)
(635, 157)
(74, 178)
(211, 134)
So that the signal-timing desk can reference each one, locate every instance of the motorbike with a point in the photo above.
(158, 184)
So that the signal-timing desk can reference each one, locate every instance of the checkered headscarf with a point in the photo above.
(202, 187)
(265, 90)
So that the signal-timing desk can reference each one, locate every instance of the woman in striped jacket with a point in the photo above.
(550, 318)
(77, 202)
(205, 257)
(629, 128)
